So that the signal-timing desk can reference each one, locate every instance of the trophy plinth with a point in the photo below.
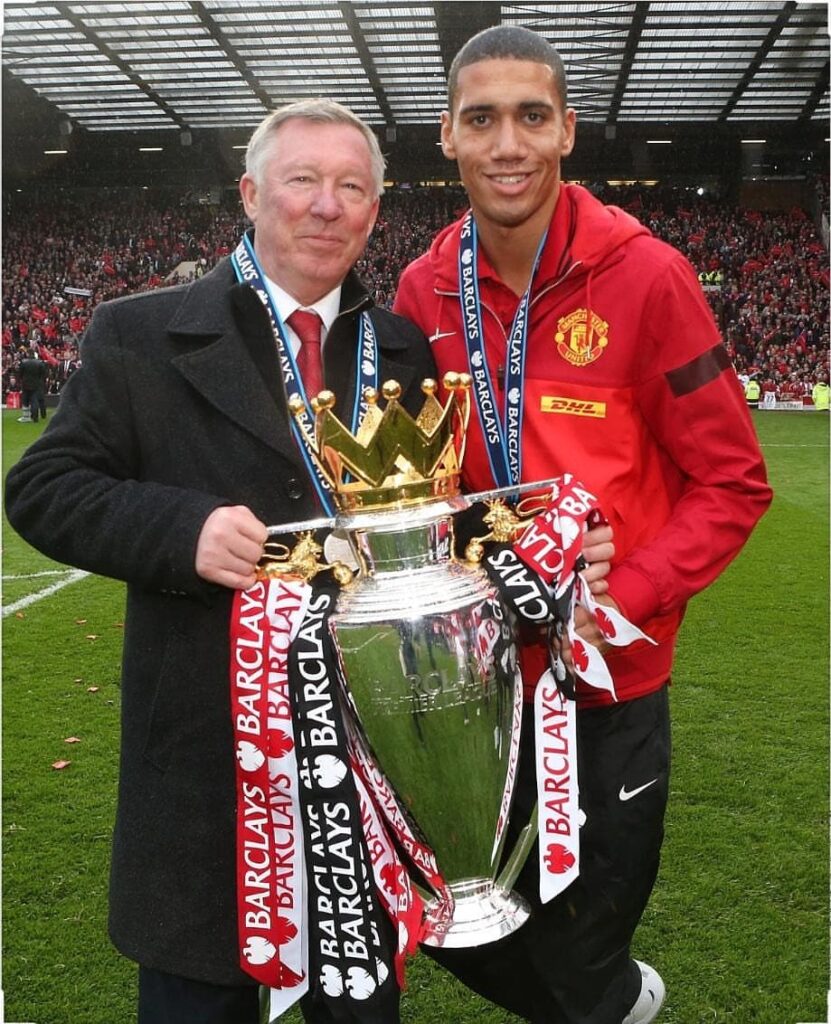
(481, 911)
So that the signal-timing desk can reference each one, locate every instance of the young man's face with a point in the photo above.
(508, 132)
(314, 207)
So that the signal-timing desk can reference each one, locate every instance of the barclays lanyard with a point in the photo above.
(248, 271)
(503, 435)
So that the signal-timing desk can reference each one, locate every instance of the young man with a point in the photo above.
(170, 451)
(593, 352)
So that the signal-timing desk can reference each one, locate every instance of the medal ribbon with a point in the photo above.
(503, 436)
(248, 271)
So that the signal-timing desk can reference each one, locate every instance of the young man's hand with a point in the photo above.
(598, 551)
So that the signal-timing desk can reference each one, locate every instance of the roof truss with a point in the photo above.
(147, 64)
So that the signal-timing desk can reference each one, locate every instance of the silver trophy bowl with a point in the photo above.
(430, 661)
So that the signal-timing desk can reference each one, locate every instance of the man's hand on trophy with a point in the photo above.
(230, 546)
(587, 628)
(598, 552)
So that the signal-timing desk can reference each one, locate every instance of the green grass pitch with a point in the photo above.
(738, 922)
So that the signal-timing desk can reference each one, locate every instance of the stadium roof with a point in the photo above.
(180, 65)
(116, 76)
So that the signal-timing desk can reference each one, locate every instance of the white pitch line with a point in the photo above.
(35, 575)
(71, 577)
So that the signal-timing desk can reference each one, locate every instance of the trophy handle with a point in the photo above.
(345, 520)
(519, 854)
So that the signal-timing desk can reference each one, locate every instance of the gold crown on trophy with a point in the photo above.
(392, 460)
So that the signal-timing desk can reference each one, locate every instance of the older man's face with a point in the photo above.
(314, 207)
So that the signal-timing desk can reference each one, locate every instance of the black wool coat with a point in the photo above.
(179, 408)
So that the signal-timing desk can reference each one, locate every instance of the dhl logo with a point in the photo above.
(572, 406)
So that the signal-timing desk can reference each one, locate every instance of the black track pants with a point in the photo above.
(570, 963)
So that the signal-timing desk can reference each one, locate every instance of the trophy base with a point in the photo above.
(481, 912)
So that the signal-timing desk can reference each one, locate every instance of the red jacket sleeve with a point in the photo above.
(693, 404)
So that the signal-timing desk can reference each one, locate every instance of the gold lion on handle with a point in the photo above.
(505, 525)
(302, 560)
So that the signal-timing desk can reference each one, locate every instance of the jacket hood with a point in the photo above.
(591, 231)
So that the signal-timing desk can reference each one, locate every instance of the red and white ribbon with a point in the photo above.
(513, 764)
(617, 630)
(401, 901)
(555, 720)
(270, 874)
(552, 546)
(553, 541)
(387, 802)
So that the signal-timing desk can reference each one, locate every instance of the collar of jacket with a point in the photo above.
(204, 310)
(593, 243)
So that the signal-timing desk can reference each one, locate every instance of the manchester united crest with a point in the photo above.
(579, 342)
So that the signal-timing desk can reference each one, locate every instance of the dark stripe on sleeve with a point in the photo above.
(698, 371)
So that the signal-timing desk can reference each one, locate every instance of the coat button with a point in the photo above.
(294, 488)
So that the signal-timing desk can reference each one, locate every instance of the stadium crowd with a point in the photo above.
(765, 274)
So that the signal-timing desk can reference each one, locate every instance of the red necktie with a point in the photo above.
(307, 328)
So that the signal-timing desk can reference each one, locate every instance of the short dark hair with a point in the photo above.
(507, 42)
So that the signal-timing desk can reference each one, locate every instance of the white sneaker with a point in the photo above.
(649, 1002)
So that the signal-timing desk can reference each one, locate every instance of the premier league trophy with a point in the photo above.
(428, 652)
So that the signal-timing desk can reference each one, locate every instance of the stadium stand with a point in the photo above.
(765, 274)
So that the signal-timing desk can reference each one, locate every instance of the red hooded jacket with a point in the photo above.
(628, 387)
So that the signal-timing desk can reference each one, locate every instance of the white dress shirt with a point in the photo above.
(326, 308)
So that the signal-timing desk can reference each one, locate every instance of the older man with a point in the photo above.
(171, 450)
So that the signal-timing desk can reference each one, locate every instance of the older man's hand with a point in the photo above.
(230, 546)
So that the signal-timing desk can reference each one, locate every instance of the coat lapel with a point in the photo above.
(228, 355)
(227, 352)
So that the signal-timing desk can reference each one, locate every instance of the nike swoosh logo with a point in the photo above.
(442, 334)
(627, 794)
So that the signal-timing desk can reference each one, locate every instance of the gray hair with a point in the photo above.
(321, 111)
(507, 42)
